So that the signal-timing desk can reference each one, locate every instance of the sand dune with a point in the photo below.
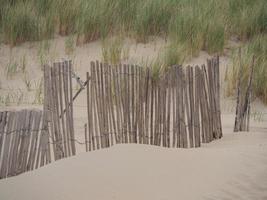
(233, 167)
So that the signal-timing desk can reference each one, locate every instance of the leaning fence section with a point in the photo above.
(59, 104)
(177, 107)
(24, 142)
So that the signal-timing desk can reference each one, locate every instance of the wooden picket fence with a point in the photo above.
(176, 107)
(24, 142)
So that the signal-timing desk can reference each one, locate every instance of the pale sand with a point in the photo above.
(231, 168)
(234, 167)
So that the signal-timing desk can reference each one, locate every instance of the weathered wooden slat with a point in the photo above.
(97, 116)
(184, 134)
(24, 142)
(59, 153)
(203, 108)
(3, 122)
(92, 107)
(189, 105)
(214, 97)
(46, 118)
(196, 108)
(249, 93)
(112, 105)
(44, 153)
(36, 132)
(28, 137)
(14, 149)
(138, 105)
(107, 100)
(67, 107)
(72, 136)
(168, 116)
(117, 103)
(206, 91)
(157, 113)
(102, 106)
(218, 94)
(55, 89)
(211, 100)
(99, 105)
(177, 108)
(13, 146)
(141, 106)
(86, 138)
(89, 116)
(147, 106)
(152, 111)
(62, 111)
(7, 141)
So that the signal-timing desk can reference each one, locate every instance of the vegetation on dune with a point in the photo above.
(189, 26)
(199, 24)
(256, 47)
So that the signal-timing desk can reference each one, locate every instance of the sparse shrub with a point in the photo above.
(27, 81)
(113, 51)
(43, 51)
(174, 54)
(12, 68)
(157, 68)
(23, 64)
(38, 95)
(7, 100)
(69, 45)
(17, 97)
(258, 116)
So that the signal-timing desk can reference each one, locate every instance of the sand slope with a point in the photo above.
(234, 167)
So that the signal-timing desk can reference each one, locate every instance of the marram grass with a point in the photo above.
(199, 24)
(258, 48)
(190, 26)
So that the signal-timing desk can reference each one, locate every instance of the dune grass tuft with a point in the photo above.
(258, 48)
(113, 50)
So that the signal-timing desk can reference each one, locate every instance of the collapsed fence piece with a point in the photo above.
(178, 107)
